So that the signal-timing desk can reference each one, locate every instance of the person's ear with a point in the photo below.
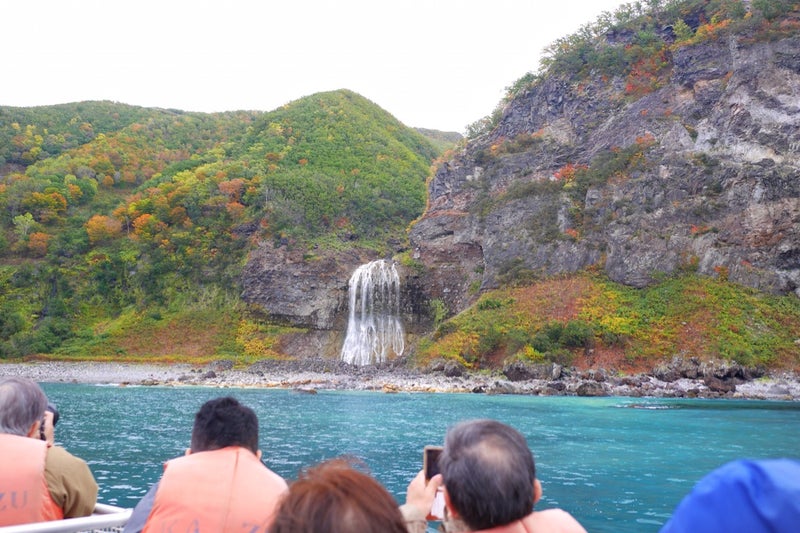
(33, 432)
(258, 454)
(450, 509)
(537, 491)
(188, 451)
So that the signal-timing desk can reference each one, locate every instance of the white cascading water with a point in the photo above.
(374, 328)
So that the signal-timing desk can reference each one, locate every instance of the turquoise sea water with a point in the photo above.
(616, 464)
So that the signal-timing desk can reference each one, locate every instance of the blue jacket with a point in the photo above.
(744, 495)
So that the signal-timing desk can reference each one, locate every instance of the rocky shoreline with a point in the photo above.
(677, 379)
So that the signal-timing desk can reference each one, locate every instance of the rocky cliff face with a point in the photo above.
(296, 289)
(310, 291)
(700, 174)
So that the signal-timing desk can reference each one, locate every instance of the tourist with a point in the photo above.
(742, 495)
(336, 498)
(220, 485)
(39, 482)
(490, 484)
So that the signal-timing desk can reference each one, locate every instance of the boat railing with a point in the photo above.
(106, 518)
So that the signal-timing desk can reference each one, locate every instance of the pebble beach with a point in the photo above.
(332, 375)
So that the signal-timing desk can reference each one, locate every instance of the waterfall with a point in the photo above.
(373, 328)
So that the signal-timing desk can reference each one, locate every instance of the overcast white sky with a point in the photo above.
(439, 64)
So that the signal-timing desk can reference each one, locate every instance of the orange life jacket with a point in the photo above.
(24, 496)
(219, 491)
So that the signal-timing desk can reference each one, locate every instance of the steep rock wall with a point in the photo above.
(707, 180)
(310, 291)
(700, 174)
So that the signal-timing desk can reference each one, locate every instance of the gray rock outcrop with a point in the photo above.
(699, 174)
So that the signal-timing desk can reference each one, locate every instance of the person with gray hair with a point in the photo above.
(40, 482)
(489, 479)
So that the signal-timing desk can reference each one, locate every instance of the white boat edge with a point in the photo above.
(105, 518)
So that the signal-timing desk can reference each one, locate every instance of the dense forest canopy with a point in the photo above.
(107, 208)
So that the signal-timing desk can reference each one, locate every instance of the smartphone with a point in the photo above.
(430, 464)
(430, 460)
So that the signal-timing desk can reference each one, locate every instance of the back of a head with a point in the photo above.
(336, 498)
(489, 473)
(742, 495)
(22, 402)
(223, 422)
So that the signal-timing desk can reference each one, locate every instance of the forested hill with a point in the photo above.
(123, 230)
(30, 134)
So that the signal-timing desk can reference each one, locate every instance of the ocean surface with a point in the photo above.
(616, 464)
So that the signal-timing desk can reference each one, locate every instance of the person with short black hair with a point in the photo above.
(224, 422)
(39, 482)
(489, 479)
(220, 485)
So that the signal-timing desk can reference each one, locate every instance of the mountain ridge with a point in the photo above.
(645, 177)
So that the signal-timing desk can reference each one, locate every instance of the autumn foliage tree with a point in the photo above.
(37, 243)
(146, 226)
(45, 206)
(233, 188)
(103, 228)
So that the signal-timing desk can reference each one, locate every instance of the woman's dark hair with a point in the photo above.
(335, 497)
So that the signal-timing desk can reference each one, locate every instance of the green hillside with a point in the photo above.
(29, 134)
(334, 163)
(119, 222)
(587, 321)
